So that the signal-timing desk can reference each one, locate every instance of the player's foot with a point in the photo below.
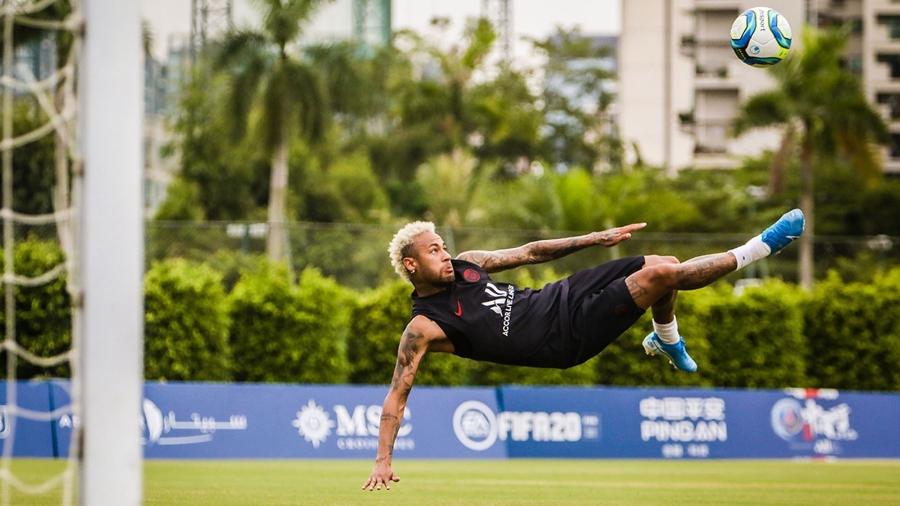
(676, 353)
(785, 230)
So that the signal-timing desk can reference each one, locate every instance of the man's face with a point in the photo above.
(431, 259)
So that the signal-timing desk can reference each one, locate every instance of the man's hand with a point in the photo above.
(616, 235)
(381, 475)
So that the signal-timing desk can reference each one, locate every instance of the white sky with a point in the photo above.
(533, 18)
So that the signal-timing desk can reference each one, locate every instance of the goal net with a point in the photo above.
(88, 102)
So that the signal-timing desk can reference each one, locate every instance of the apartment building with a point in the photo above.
(681, 83)
(880, 49)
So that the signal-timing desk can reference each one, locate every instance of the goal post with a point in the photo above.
(111, 236)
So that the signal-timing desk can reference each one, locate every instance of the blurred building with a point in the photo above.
(606, 47)
(880, 55)
(500, 14)
(366, 21)
(680, 82)
(557, 82)
(209, 19)
(163, 80)
(37, 59)
(873, 51)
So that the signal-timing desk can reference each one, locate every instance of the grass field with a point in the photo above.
(516, 482)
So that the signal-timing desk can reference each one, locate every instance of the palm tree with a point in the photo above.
(821, 107)
(283, 93)
(457, 67)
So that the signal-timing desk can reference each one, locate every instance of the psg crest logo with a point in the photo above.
(471, 275)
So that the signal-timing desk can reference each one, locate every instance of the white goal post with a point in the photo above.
(110, 89)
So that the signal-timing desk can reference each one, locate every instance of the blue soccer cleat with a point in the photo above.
(676, 353)
(785, 230)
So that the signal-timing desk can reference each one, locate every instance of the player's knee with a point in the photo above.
(663, 275)
(653, 260)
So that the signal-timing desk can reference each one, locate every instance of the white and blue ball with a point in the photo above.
(761, 37)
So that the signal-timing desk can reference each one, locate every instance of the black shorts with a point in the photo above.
(600, 308)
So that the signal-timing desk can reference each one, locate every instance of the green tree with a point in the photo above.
(34, 175)
(428, 107)
(503, 119)
(577, 93)
(345, 191)
(356, 79)
(821, 108)
(217, 175)
(182, 202)
(29, 35)
(451, 183)
(536, 208)
(458, 65)
(286, 95)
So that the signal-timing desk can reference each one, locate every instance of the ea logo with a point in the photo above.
(475, 425)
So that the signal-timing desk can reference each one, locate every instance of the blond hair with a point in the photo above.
(403, 239)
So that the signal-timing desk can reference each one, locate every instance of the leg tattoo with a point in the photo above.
(656, 283)
(701, 271)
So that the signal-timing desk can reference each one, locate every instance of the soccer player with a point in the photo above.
(458, 309)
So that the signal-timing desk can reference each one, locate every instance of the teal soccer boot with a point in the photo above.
(676, 353)
(784, 231)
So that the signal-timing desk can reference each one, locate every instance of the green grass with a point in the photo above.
(519, 482)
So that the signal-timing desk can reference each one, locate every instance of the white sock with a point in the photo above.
(667, 332)
(755, 249)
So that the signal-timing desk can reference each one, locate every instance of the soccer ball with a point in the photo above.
(761, 37)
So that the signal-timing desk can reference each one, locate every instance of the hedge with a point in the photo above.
(756, 338)
(376, 326)
(270, 328)
(186, 323)
(854, 333)
(43, 313)
(287, 332)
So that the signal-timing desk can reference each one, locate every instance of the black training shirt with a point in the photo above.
(497, 322)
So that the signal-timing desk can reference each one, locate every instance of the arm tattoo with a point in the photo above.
(495, 261)
(392, 423)
(553, 249)
(532, 253)
(405, 370)
(412, 348)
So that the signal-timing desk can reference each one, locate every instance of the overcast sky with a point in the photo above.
(532, 18)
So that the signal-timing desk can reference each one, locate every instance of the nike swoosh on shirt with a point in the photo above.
(458, 311)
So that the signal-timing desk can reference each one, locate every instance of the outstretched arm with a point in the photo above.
(413, 346)
(544, 251)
